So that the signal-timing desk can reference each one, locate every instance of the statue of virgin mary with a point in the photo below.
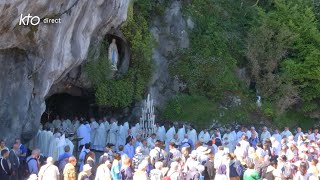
(113, 55)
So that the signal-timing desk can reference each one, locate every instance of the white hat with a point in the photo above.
(87, 167)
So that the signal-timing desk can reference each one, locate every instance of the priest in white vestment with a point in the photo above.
(192, 134)
(113, 133)
(99, 142)
(181, 132)
(54, 146)
(107, 127)
(56, 123)
(94, 127)
(286, 133)
(122, 136)
(204, 136)
(265, 134)
(228, 140)
(75, 125)
(169, 136)
(126, 127)
(66, 125)
(84, 132)
(299, 134)
(161, 133)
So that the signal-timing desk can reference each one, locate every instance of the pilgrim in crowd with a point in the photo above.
(105, 149)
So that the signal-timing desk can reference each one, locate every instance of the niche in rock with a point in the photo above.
(123, 51)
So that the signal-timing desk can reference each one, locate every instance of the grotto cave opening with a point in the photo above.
(68, 106)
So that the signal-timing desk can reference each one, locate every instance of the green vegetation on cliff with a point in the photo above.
(277, 41)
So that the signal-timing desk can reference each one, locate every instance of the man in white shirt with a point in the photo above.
(286, 133)
(204, 136)
(49, 171)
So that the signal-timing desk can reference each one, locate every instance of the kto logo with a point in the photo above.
(33, 20)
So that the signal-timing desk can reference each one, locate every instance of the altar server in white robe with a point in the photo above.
(192, 134)
(204, 136)
(170, 135)
(84, 132)
(228, 139)
(181, 132)
(57, 122)
(99, 142)
(113, 133)
(94, 126)
(265, 134)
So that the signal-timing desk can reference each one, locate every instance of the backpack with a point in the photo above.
(25, 168)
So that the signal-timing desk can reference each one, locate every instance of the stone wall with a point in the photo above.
(33, 58)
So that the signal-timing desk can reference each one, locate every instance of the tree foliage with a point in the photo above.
(284, 55)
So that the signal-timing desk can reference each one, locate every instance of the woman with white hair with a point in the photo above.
(141, 173)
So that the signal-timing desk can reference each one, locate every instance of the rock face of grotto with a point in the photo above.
(34, 59)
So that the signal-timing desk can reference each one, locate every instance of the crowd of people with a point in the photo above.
(123, 154)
